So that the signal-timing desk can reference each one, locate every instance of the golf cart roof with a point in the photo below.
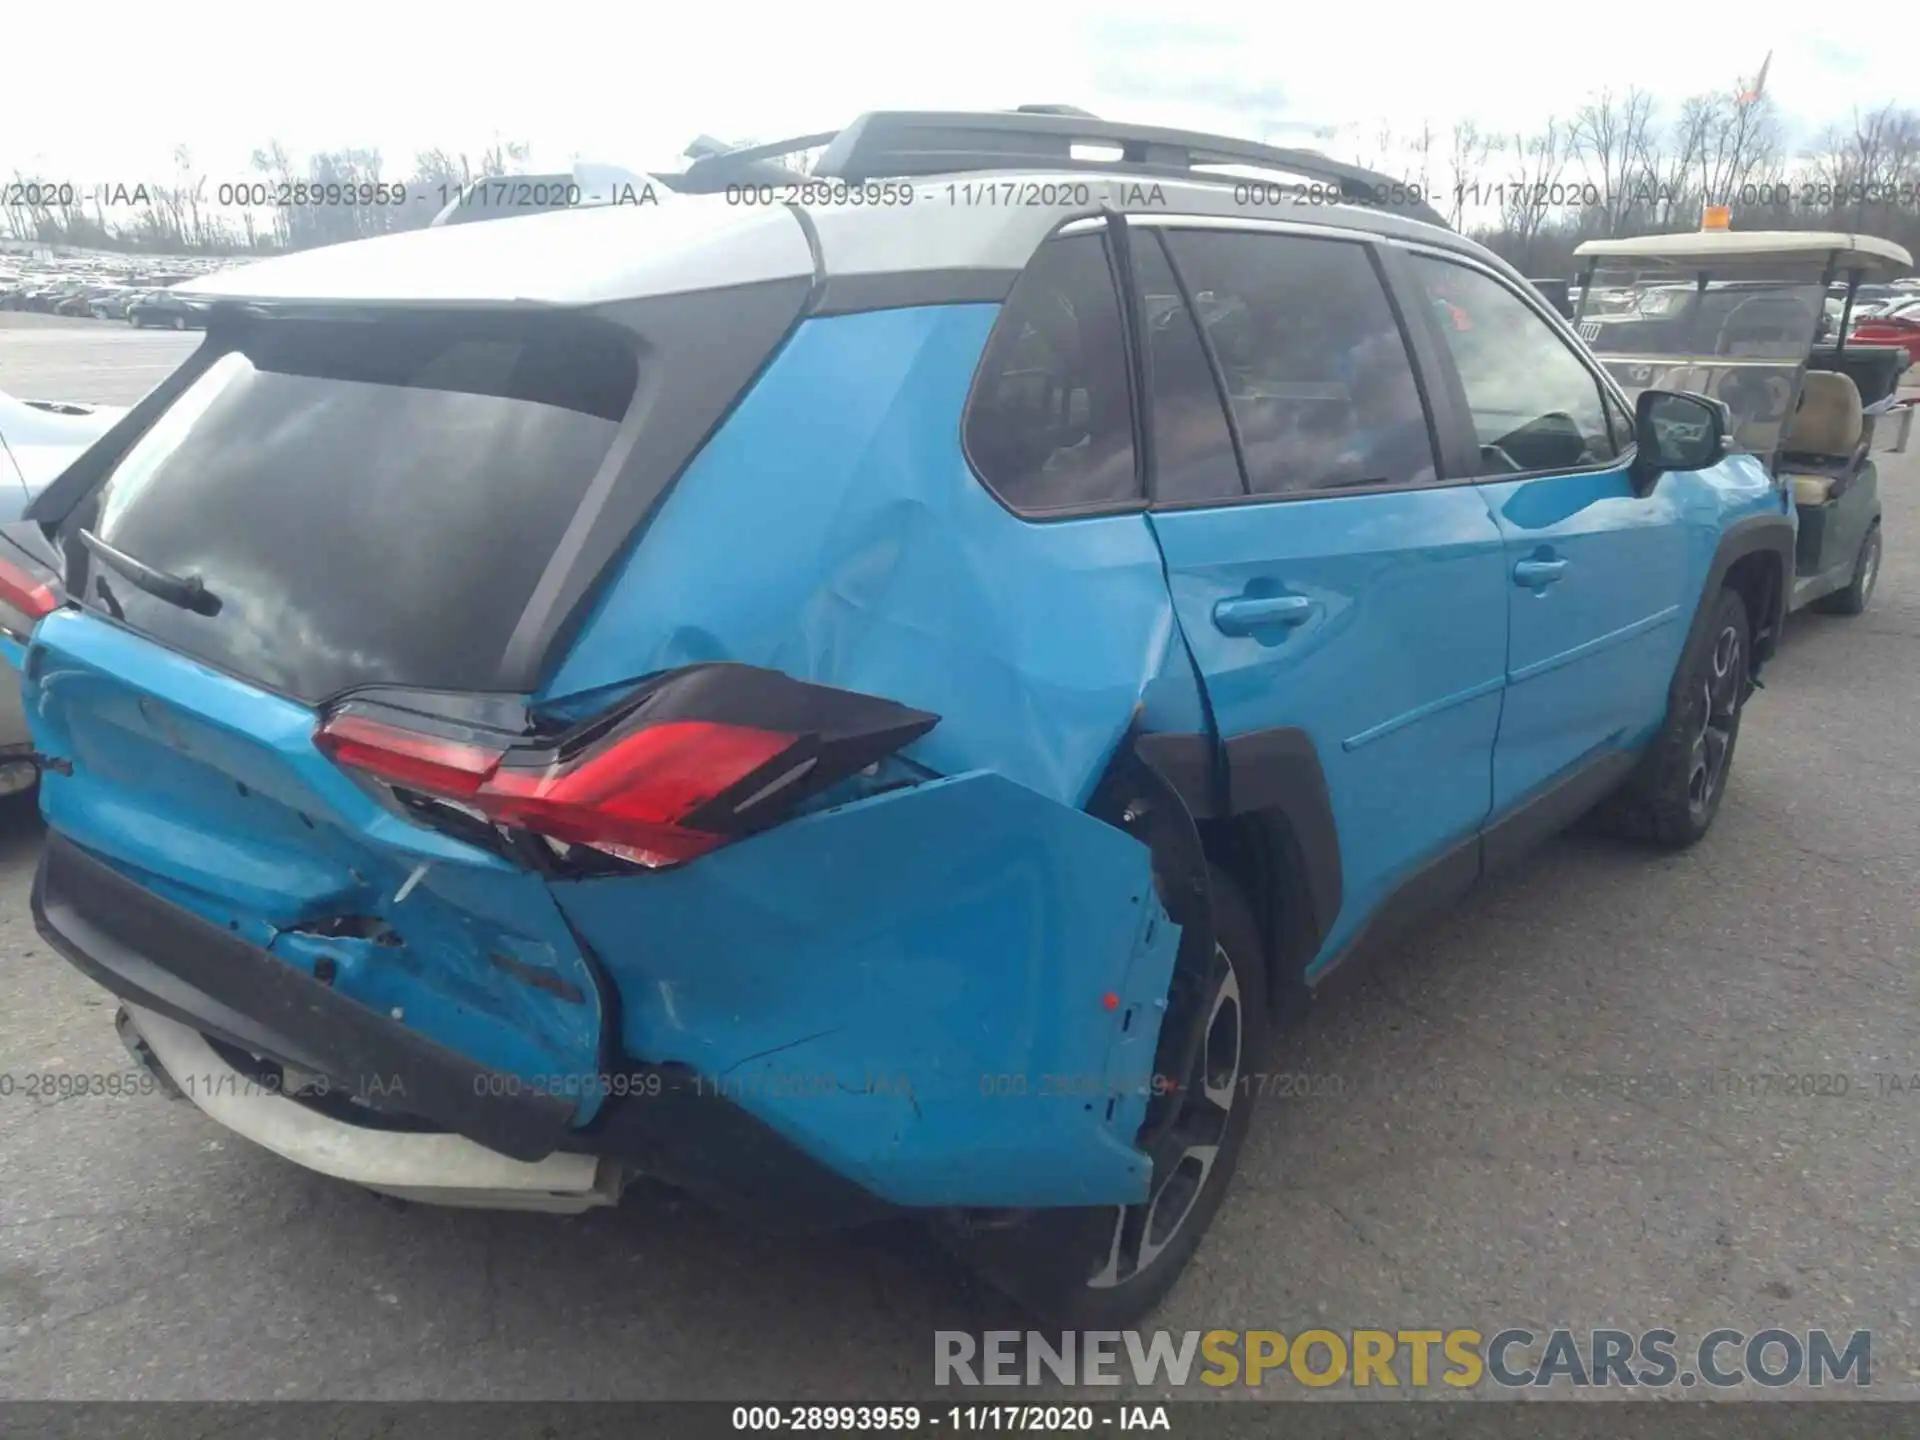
(1736, 247)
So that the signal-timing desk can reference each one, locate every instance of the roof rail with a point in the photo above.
(889, 144)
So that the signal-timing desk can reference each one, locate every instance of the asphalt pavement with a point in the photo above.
(1457, 1163)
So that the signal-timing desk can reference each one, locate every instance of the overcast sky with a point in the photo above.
(632, 83)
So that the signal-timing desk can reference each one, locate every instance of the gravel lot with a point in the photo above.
(144, 1254)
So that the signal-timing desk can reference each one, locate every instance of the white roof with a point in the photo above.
(1849, 251)
(565, 257)
(601, 254)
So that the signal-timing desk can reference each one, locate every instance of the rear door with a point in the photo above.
(1598, 574)
(1328, 577)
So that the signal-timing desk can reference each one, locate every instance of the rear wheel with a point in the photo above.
(1866, 572)
(1111, 1265)
(1673, 796)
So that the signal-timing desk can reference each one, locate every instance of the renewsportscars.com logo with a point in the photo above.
(1512, 1358)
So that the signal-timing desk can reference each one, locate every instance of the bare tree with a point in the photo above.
(1527, 197)
(1612, 138)
(1468, 152)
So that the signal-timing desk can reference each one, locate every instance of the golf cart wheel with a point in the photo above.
(1866, 573)
(1108, 1266)
(1675, 791)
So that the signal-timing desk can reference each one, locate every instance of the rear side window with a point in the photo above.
(369, 502)
(1050, 424)
(1316, 369)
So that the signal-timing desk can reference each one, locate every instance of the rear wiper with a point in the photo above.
(186, 591)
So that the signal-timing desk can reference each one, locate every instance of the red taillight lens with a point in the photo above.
(406, 757)
(20, 590)
(634, 793)
(626, 798)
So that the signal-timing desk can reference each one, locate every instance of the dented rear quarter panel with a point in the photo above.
(961, 935)
(832, 529)
(914, 987)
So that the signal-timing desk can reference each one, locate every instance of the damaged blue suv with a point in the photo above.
(862, 694)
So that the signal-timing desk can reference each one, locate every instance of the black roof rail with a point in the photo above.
(884, 144)
(890, 144)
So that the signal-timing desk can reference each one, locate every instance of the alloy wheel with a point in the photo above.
(1719, 716)
(1186, 1159)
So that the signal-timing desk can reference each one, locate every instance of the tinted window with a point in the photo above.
(1315, 365)
(1192, 445)
(1050, 426)
(1535, 405)
(369, 502)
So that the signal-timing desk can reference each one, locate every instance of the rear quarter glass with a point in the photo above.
(372, 502)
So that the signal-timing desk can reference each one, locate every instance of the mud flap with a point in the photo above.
(950, 993)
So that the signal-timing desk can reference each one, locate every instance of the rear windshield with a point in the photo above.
(369, 502)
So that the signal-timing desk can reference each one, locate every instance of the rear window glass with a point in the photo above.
(369, 502)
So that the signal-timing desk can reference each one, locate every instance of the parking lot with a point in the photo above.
(1454, 1169)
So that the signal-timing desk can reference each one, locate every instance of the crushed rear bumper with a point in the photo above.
(167, 961)
(190, 988)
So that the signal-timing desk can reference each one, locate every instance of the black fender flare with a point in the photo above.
(1273, 778)
(1755, 534)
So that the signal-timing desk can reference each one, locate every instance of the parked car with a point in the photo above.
(38, 439)
(114, 303)
(80, 304)
(447, 778)
(1896, 324)
(169, 309)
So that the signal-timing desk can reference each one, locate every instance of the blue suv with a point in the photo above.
(857, 694)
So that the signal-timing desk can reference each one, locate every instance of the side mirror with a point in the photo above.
(1676, 430)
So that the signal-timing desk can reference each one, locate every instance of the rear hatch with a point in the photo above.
(344, 515)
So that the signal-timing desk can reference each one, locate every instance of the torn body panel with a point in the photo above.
(949, 993)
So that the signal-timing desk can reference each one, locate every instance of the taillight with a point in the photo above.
(674, 773)
(632, 797)
(24, 599)
(405, 757)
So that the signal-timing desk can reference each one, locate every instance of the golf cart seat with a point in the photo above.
(1694, 379)
(1823, 444)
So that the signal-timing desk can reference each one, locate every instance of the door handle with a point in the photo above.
(1537, 573)
(1245, 614)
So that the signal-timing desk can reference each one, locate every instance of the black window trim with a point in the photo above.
(1460, 411)
(1122, 283)
(1372, 246)
(1214, 369)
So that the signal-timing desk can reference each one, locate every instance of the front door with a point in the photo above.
(1597, 574)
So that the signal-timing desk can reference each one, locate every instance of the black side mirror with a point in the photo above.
(1676, 430)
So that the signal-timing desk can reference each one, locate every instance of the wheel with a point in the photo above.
(1109, 1266)
(1866, 570)
(1675, 792)
(179, 323)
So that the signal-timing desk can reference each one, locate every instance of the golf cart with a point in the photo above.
(1743, 318)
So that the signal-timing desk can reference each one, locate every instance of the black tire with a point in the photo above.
(1075, 1268)
(178, 323)
(1674, 793)
(1866, 573)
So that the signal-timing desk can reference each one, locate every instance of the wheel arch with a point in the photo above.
(1261, 810)
(1755, 559)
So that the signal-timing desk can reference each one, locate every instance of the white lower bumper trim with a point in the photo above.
(438, 1169)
